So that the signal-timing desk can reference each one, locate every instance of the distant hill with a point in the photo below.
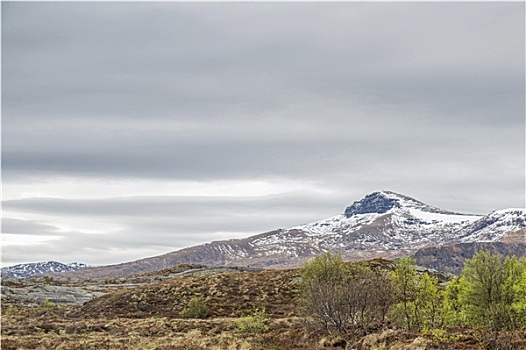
(40, 268)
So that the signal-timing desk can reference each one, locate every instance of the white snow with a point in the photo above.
(442, 217)
(336, 224)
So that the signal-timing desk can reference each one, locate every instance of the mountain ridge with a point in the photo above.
(382, 224)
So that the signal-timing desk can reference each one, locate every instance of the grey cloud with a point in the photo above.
(152, 225)
(187, 58)
(93, 250)
(476, 156)
(26, 227)
(199, 213)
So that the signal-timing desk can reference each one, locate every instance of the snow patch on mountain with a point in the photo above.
(435, 218)
(494, 226)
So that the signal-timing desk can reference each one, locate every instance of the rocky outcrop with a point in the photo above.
(372, 203)
(39, 293)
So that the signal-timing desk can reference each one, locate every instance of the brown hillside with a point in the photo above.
(230, 294)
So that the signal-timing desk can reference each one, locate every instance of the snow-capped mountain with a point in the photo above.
(383, 224)
(495, 226)
(33, 269)
(386, 221)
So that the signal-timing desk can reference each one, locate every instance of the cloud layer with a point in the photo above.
(124, 122)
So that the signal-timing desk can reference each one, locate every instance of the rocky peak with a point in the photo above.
(376, 202)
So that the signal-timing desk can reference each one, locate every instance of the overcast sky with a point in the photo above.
(134, 129)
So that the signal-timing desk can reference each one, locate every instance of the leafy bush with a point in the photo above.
(348, 298)
(418, 300)
(452, 308)
(256, 323)
(519, 304)
(11, 310)
(490, 290)
(439, 335)
(46, 304)
(196, 309)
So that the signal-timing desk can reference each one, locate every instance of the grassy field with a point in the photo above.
(243, 310)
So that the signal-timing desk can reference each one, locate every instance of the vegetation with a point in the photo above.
(418, 300)
(196, 309)
(327, 304)
(349, 299)
(343, 298)
(256, 322)
(46, 304)
(490, 293)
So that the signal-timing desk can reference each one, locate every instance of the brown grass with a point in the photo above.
(226, 294)
(147, 318)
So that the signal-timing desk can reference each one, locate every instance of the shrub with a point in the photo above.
(489, 291)
(452, 308)
(519, 304)
(196, 309)
(418, 300)
(11, 310)
(46, 304)
(256, 323)
(343, 297)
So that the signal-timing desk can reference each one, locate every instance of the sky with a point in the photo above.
(134, 129)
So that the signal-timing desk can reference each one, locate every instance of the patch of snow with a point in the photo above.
(442, 217)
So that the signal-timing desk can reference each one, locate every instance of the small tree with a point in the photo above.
(519, 301)
(428, 302)
(488, 291)
(452, 307)
(347, 298)
(404, 279)
(323, 292)
(418, 300)
(374, 295)
(514, 274)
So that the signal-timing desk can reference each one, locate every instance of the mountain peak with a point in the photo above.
(378, 202)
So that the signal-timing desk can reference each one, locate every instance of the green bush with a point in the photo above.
(453, 311)
(418, 299)
(256, 323)
(490, 291)
(350, 299)
(196, 309)
(46, 304)
(519, 304)
(11, 310)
